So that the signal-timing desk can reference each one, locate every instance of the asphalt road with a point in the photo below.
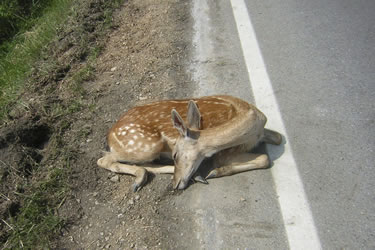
(320, 59)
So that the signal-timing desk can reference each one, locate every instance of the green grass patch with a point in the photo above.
(37, 222)
(25, 48)
(40, 193)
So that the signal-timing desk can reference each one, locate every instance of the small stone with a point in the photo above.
(97, 203)
(132, 245)
(78, 200)
(95, 194)
(101, 233)
(117, 83)
(120, 216)
(137, 197)
(115, 178)
(106, 238)
(113, 69)
(131, 202)
(89, 140)
(242, 199)
(108, 246)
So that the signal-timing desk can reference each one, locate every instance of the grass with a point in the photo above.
(24, 50)
(37, 222)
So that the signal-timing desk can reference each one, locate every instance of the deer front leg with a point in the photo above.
(238, 163)
(159, 169)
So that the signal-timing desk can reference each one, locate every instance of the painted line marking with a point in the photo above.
(297, 216)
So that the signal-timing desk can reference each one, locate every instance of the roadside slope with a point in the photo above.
(143, 61)
(54, 135)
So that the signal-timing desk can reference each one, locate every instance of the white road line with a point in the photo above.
(298, 220)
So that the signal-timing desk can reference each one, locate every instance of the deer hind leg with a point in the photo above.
(111, 162)
(272, 137)
(230, 162)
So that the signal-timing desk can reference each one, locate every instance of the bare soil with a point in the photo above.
(64, 115)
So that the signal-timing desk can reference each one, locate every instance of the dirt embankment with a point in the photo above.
(95, 79)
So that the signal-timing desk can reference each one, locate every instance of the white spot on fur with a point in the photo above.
(123, 132)
(131, 142)
(117, 140)
(132, 131)
(135, 137)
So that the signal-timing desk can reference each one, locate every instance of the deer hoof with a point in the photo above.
(200, 179)
(136, 187)
(140, 180)
(212, 174)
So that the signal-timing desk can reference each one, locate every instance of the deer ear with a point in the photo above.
(193, 116)
(179, 124)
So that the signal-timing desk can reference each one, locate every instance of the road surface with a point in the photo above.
(318, 60)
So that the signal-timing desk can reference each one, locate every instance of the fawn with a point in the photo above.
(188, 131)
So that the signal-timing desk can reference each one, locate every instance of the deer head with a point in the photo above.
(186, 153)
(193, 144)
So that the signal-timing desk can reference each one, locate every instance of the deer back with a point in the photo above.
(147, 129)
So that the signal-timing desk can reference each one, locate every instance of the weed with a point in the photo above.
(44, 185)
(84, 74)
(37, 222)
(24, 49)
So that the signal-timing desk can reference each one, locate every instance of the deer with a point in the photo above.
(188, 131)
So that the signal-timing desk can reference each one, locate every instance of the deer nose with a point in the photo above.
(181, 184)
(176, 183)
